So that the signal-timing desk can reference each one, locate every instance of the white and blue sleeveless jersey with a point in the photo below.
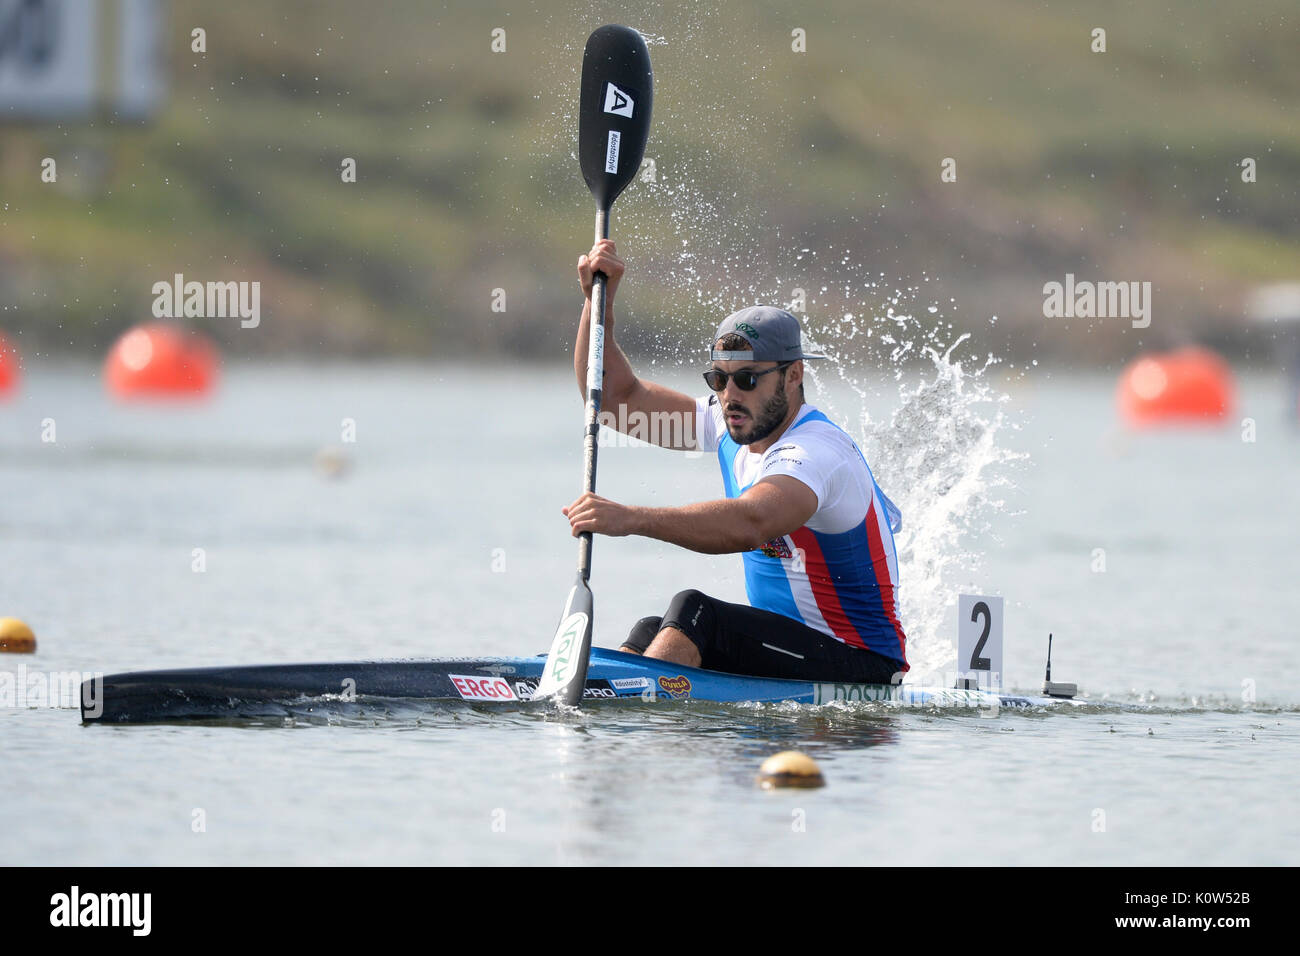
(838, 573)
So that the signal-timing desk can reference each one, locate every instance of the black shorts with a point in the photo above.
(739, 639)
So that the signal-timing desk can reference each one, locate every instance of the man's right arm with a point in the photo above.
(640, 409)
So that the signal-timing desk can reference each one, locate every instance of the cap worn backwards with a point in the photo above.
(774, 335)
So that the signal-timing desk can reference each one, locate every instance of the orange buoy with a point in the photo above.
(9, 367)
(159, 360)
(1191, 384)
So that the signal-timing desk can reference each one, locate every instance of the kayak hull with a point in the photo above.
(264, 690)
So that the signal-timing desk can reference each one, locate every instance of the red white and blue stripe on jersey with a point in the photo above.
(847, 585)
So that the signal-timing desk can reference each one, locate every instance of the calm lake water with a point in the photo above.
(445, 538)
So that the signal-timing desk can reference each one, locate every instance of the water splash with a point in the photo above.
(940, 455)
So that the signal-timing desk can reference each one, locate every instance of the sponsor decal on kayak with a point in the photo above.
(824, 693)
(676, 687)
(593, 691)
(482, 688)
(629, 683)
(913, 696)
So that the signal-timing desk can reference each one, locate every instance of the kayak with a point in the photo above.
(209, 693)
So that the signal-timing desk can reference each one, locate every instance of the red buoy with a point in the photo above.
(159, 360)
(1191, 384)
(10, 369)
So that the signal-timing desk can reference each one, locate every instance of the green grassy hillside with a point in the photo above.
(1122, 165)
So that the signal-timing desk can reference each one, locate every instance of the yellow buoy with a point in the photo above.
(332, 462)
(790, 768)
(16, 637)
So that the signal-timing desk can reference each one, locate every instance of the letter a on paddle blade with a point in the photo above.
(565, 675)
(613, 110)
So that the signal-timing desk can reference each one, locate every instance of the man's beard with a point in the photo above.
(764, 423)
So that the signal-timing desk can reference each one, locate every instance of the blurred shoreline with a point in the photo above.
(778, 176)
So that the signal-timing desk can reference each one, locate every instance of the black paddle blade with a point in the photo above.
(613, 110)
(565, 674)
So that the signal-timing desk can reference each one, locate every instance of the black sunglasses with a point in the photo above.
(746, 379)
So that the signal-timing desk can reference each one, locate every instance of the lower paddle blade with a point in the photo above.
(565, 676)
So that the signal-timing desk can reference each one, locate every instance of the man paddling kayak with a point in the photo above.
(801, 506)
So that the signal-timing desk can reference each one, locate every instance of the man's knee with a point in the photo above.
(685, 610)
(675, 646)
(693, 613)
(689, 611)
(642, 633)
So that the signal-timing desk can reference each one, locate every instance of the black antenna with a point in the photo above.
(1056, 690)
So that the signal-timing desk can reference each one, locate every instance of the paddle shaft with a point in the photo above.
(614, 105)
(595, 382)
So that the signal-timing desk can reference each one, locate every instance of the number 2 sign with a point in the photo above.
(979, 641)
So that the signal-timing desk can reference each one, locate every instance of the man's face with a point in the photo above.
(752, 416)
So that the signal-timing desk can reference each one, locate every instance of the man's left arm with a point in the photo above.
(771, 508)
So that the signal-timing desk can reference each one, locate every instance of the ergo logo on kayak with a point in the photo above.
(482, 688)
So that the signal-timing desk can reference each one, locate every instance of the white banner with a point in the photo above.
(63, 59)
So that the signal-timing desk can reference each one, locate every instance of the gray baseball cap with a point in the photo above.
(774, 335)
